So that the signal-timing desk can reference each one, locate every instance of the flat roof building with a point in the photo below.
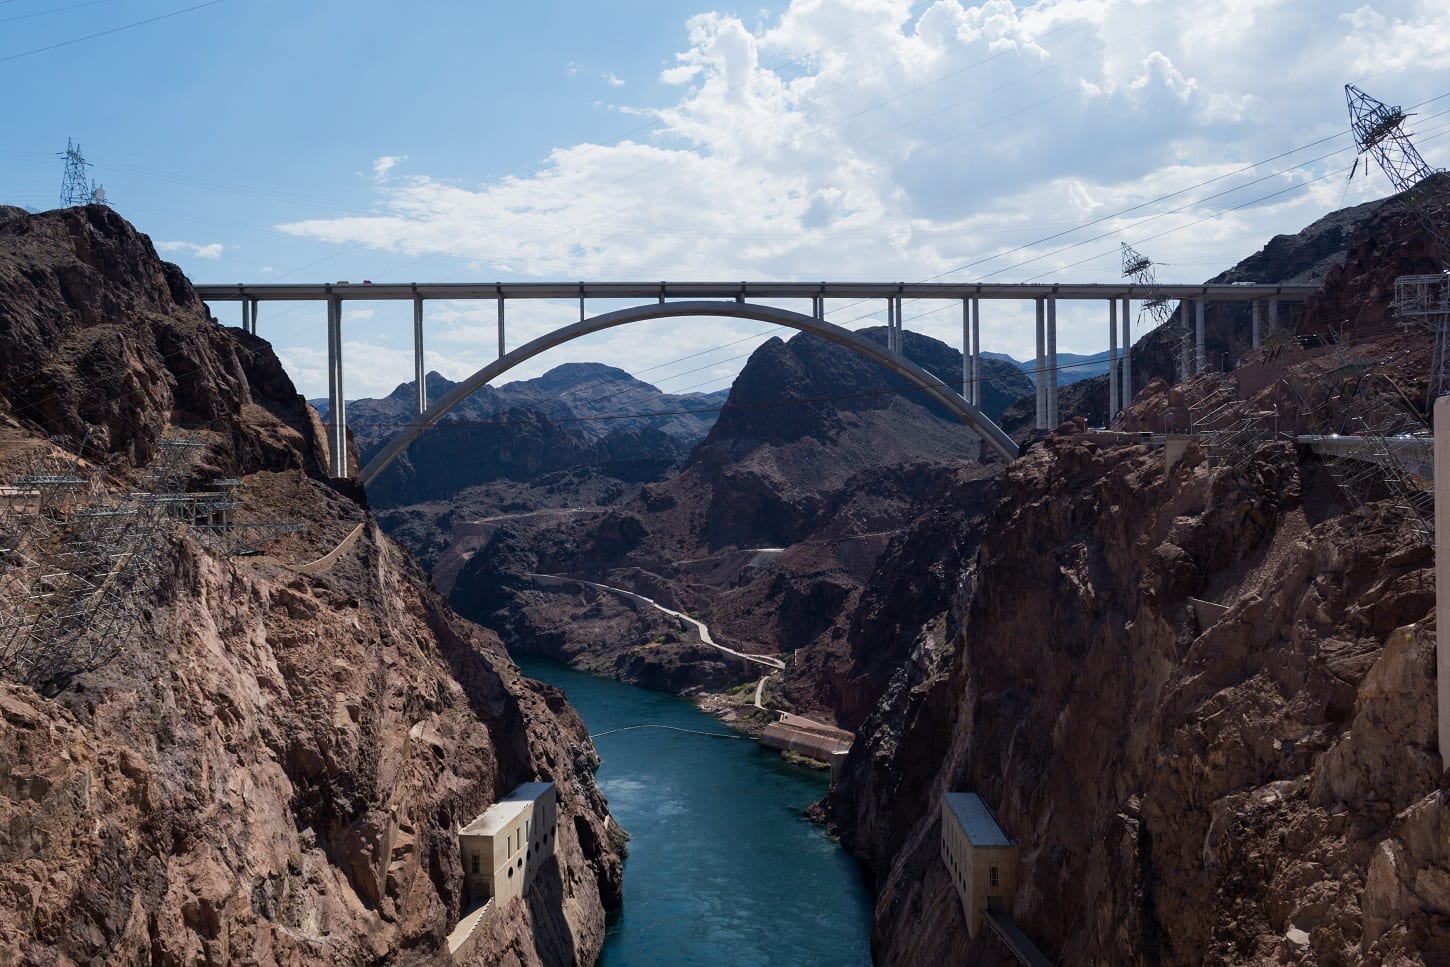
(506, 845)
(981, 859)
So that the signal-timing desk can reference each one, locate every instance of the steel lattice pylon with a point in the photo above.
(76, 188)
(1139, 268)
(1378, 131)
(1419, 299)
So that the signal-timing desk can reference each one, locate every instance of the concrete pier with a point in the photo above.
(1113, 367)
(419, 367)
(1200, 351)
(336, 401)
(1052, 417)
(977, 352)
(1127, 397)
(501, 352)
(1040, 390)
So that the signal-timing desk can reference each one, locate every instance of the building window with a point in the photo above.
(992, 876)
(475, 863)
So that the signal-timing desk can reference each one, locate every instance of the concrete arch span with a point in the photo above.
(914, 374)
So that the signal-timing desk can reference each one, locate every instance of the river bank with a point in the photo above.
(723, 866)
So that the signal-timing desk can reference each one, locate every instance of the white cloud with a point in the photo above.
(877, 139)
(385, 164)
(1415, 40)
(611, 79)
(211, 250)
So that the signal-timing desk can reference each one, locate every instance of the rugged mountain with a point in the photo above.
(576, 416)
(104, 344)
(819, 458)
(1351, 240)
(1072, 367)
(274, 768)
(1201, 697)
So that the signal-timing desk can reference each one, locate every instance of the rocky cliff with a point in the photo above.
(274, 768)
(1367, 245)
(1202, 698)
(818, 461)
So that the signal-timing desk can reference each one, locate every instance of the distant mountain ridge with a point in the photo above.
(578, 415)
(1071, 367)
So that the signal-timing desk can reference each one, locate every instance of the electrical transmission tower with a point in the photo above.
(1419, 299)
(1139, 268)
(76, 188)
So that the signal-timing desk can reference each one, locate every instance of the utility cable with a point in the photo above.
(113, 30)
(42, 13)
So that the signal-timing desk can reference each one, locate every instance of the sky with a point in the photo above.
(876, 140)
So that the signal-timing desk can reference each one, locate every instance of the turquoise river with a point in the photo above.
(722, 868)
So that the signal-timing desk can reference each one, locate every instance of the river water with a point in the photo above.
(723, 869)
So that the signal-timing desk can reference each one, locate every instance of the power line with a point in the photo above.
(113, 30)
(42, 13)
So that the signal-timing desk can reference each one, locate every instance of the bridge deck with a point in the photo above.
(366, 291)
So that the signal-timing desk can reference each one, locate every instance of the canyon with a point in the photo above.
(275, 767)
(1199, 694)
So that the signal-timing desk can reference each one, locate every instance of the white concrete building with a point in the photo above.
(981, 859)
(504, 848)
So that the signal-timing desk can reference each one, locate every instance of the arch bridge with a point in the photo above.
(756, 300)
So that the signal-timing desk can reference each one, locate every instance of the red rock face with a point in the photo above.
(104, 342)
(275, 768)
(1260, 787)
(1186, 791)
(1358, 293)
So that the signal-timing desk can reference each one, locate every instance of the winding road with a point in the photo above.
(767, 660)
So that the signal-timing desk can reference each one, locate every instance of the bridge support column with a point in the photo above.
(968, 387)
(1113, 406)
(1200, 350)
(1040, 373)
(1273, 316)
(900, 339)
(1258, 324)
(977, 352)
(420, 369)
(336, 403)
(1127, 394)
(1185, 340)
(500, 324)
(1442, 572)
(1052, 401)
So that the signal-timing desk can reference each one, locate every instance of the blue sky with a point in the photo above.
(257, 140)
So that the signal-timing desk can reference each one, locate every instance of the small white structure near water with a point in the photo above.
(981, 859)
(504, 848)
